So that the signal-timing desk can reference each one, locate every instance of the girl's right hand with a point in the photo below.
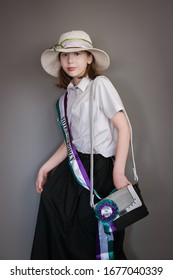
(41, 180)
(51, 163)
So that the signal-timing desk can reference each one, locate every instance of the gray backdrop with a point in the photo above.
(138, 36)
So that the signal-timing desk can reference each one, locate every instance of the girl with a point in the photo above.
(66, 226)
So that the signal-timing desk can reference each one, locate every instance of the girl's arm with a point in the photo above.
(120, 123)
(52, 162)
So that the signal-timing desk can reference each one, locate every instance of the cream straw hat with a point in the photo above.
(73, 41)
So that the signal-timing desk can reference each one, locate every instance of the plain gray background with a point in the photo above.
(137, 34)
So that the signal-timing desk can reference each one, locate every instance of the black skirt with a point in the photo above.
(66, 226)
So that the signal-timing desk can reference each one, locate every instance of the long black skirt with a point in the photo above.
(66, 226)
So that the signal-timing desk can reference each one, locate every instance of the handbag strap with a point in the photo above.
(91, 115)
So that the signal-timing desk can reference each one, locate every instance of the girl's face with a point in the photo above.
(75, 64)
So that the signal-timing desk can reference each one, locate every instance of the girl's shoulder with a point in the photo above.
(101, 79)
(102, 82)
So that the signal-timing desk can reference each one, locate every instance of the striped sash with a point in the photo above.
(105, 238)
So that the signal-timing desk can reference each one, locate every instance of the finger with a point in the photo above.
(39, 187)
(129, 183)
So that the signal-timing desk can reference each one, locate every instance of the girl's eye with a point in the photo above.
(64, 54)
(77, 53)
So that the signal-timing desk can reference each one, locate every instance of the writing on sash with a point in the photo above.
(69, 148)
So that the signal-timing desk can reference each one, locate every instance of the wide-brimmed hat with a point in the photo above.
(72, 42)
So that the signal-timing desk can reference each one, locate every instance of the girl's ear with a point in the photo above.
(90, 58)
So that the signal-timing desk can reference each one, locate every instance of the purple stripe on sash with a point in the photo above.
(113, 227)
(98, 257)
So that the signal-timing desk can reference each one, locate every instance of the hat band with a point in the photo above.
(73, 43)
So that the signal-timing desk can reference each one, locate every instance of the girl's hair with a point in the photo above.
(65, 79)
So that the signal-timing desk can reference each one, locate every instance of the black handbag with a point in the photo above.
(125, 206)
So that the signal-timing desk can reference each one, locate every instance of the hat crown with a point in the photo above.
(79, 39)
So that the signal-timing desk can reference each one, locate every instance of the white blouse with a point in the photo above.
(107, 103)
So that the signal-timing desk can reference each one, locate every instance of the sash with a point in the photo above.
(105, 236)
(75, 163)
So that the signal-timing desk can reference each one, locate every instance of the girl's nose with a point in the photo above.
(70, 58)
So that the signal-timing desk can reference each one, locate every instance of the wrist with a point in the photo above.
(118, 170)
(43, 170)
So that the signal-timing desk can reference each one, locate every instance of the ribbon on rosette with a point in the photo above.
(106, 211)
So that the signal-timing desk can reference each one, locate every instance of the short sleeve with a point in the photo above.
(107, 97)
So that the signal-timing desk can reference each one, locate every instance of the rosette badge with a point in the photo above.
(106, 210)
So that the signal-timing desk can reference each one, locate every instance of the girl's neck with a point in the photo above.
(76, 81)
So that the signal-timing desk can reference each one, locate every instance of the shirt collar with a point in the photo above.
(81, 87)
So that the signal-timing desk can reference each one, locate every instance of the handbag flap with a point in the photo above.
(126, 199)
(122, 198)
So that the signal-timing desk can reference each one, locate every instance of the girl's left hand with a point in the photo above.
(120, 180)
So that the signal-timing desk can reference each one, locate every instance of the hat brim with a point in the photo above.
(51, 64)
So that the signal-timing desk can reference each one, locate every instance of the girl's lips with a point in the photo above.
(71, 68)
